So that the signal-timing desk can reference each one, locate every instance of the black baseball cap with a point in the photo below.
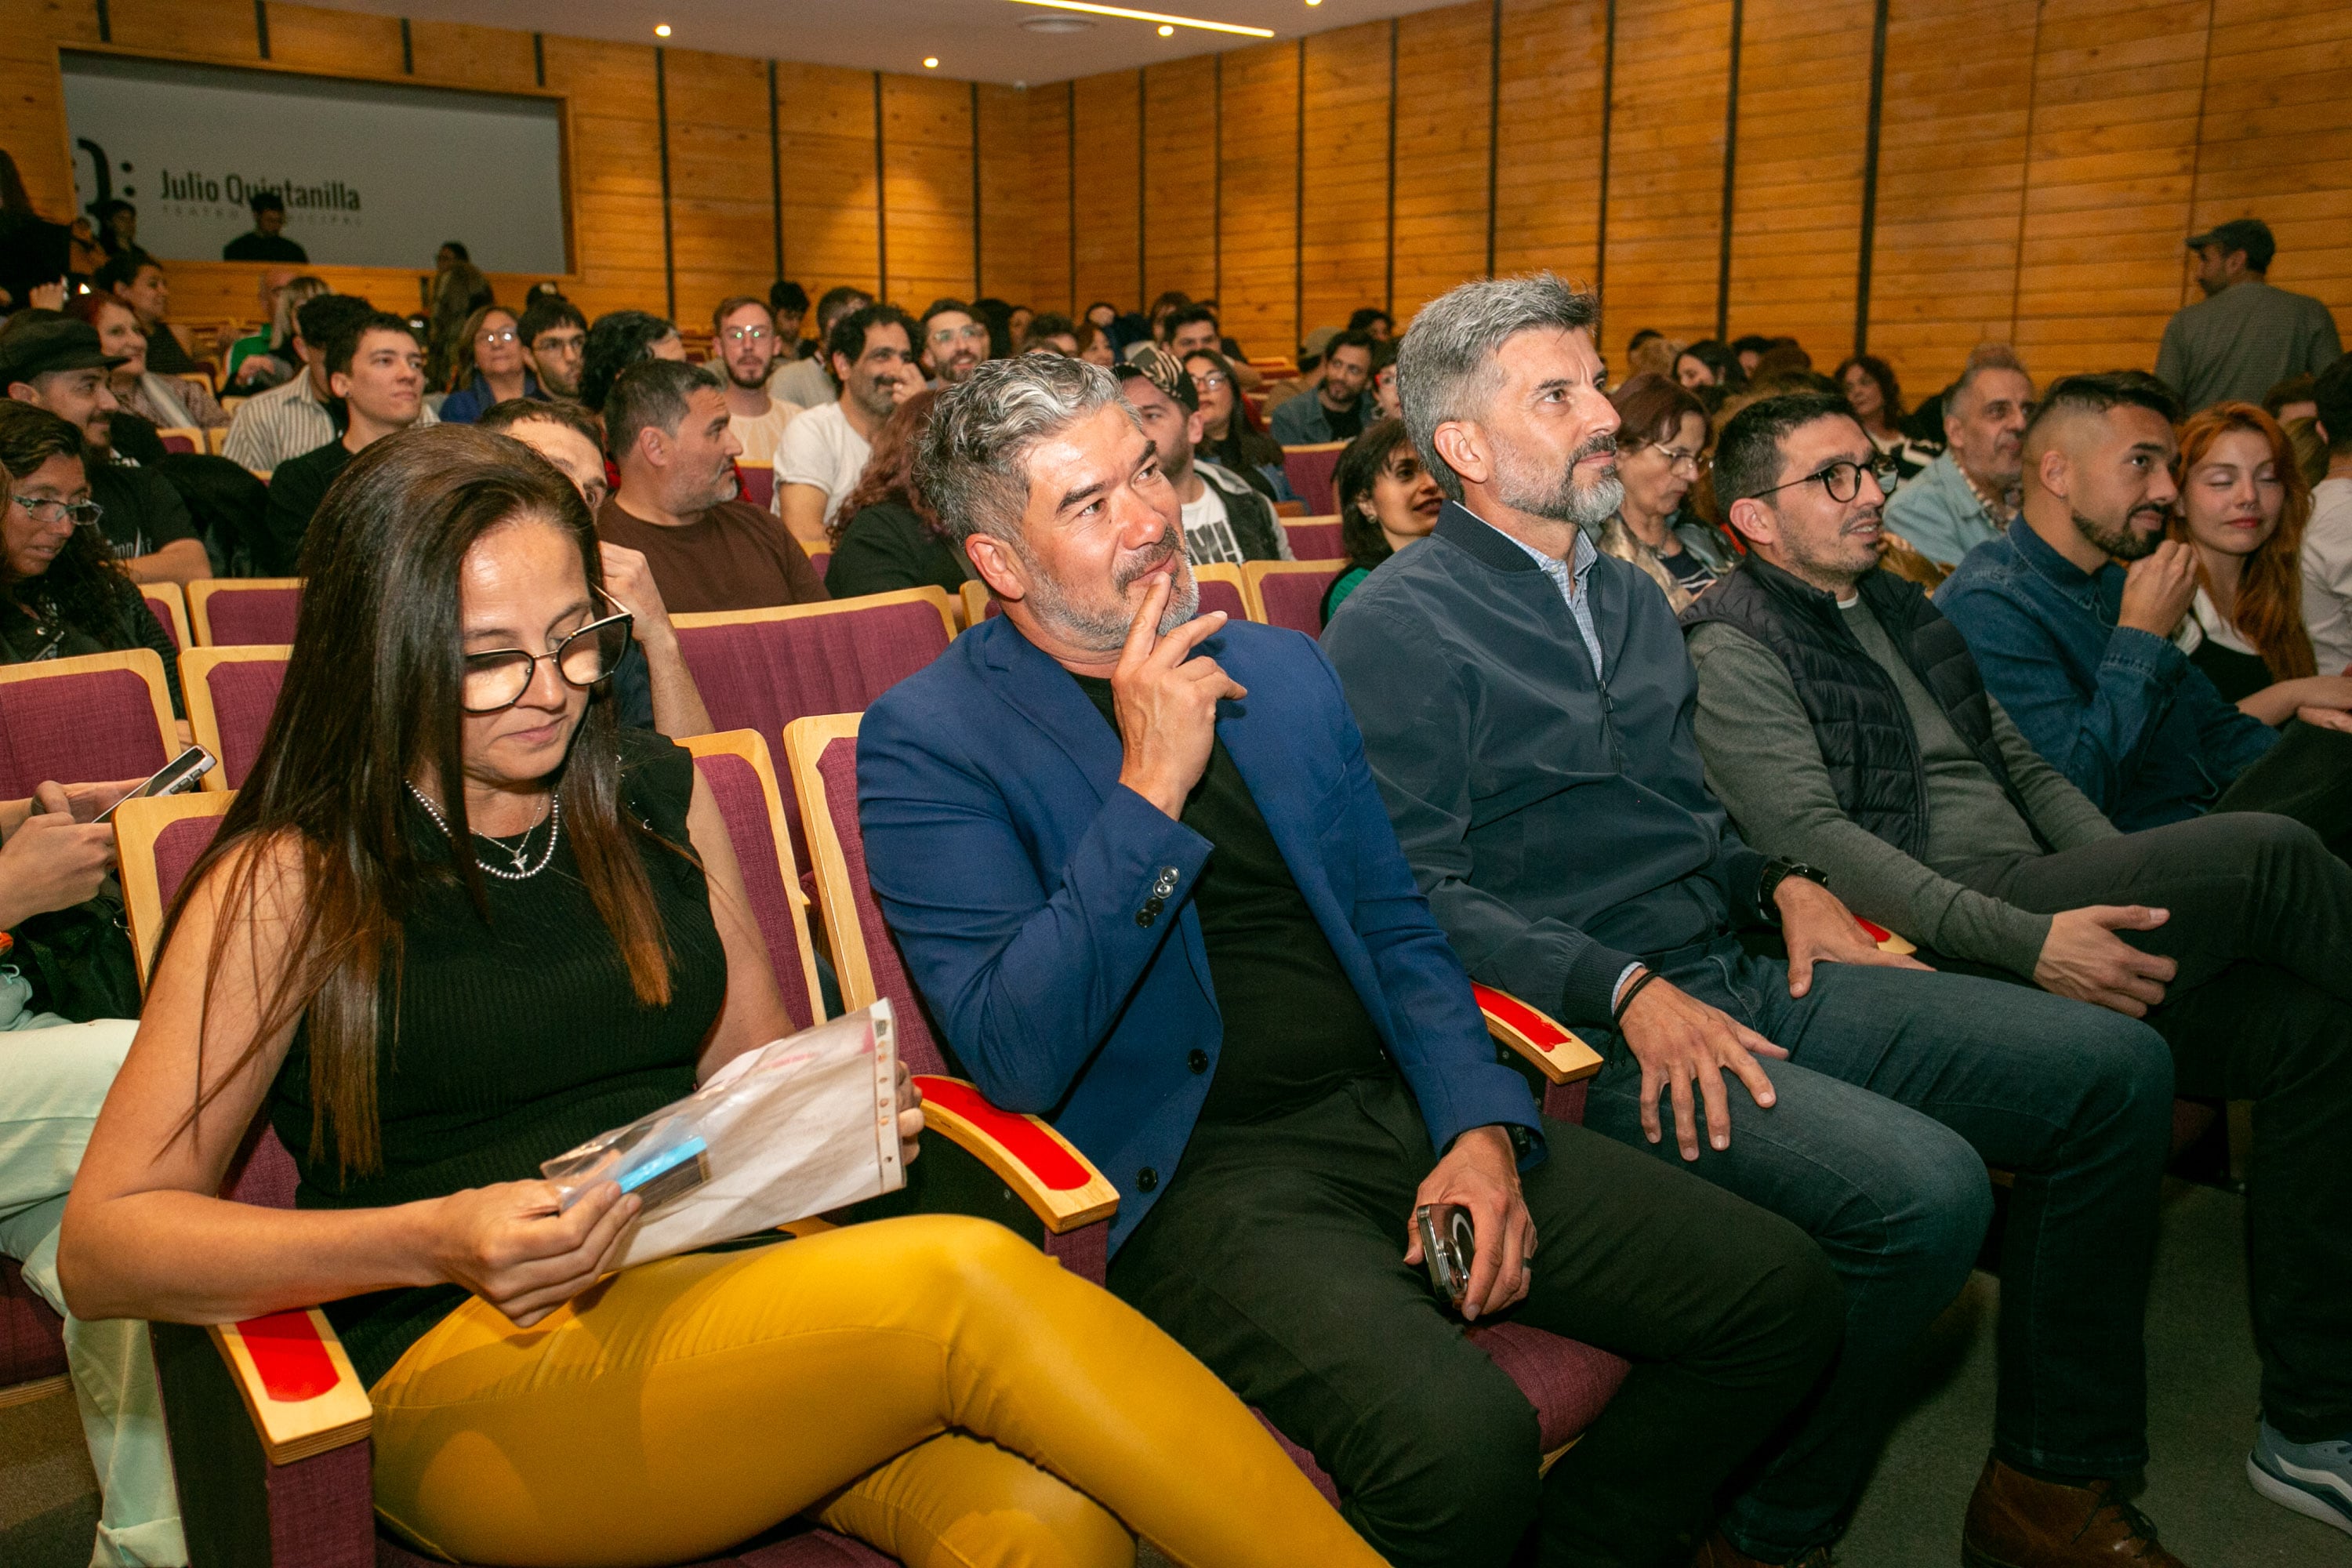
(50, 344)
(2250, 234)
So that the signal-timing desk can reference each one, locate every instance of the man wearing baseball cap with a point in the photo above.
(2244, 337)
(54, 363)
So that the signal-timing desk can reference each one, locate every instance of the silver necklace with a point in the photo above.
(520, 851)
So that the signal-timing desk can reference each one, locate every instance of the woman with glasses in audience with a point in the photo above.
(1387, 501)
(1661, 441)
(1876, 399)
(883, 536)
(491, 367)
(62, 591)
(456, 923)
(1231, 437)
(2243, 504)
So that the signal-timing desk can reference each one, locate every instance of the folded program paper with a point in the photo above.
(799, 1127)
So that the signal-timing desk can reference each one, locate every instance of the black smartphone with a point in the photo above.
(180, 773)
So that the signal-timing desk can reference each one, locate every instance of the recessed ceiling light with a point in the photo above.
(1166, 31)
(662, 31)
(930, 62)
(1151, 16)
(1056, 25)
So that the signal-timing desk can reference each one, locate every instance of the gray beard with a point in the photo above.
(1098, 631)
(1588, 507)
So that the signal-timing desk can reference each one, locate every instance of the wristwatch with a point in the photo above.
(1776, 870)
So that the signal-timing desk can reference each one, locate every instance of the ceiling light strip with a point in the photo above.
(1094, 10)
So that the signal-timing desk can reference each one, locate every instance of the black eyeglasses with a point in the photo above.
(1842, 478)
(81, 513)
(496, 680)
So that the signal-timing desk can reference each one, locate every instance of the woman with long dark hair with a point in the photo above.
(1387, 501)
(616, 341)
(456, 923)
(884, 536)
(1877, 397)
(1231, 434)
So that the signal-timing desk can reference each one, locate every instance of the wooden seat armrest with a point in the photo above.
(1542, 1039)
(297, 1382)
(1887, 940)
(1060, 1185)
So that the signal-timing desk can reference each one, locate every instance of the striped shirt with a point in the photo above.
(284, 422)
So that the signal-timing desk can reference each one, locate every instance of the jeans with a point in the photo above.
(1899, 1089)
(2260, 1009)
(1276, 1255)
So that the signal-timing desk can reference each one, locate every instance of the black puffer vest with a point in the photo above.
(1859, 720)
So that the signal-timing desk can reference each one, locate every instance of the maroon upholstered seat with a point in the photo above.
(1309, 470)
(758, 483)
(1294, 599)
(240, 694)
(80, 721)
(743, 798)
(1219, 595)
(245, 615)
(162, 610)
(32, 1337)
(1315, 541)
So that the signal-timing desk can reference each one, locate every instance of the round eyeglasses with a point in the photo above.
(1842, 478)
(496, 680)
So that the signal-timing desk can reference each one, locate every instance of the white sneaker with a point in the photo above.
(2313, 1478)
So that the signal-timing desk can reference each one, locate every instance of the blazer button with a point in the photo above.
(1166, 883)
(1144, 917)
(1146, 1179)
(1198, 1061)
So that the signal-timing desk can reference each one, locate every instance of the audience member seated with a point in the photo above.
(1231, 435)
(667, 429)
(1372, 322)
(54, 363)
(1051, 332)
(744, 340)
(1843, 724)
(65, 592)
(375, 372)
(599, 979)
(1661, 439)
(2327, 540)
(1310, 376)
(266, 240)
(460, 289)
(1095, 344)
(885, 537)
(1707, 362)
(267, 358)
(137, 278)
(172, 402)
(788, 306)
(616, 342)
(1969, 494)
(1388, 403)
(1336, 412)
(555, 335)
(1387, 501)
(2244, 337)
(1526, 707)
(2243, 510)
(1193, 329)
(652, 688)
(492, 366)
(2293, 398)
(1225, 520)
(1188, 937)
(872, 354)
(1749, 351)
(2079, 649)
(954, 342)
(1016, 322)
(1876, 398)
(805, 382)
(281, 425)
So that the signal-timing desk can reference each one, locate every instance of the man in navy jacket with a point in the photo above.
(1143, 878)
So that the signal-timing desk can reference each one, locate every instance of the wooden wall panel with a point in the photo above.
(1180, 178)
(825, 129)
(1441, 160)
(1344, 247)
(1052, 176)
(1666, 169)
(1009, 201)
(1258, 300)
(341, 43)
(1107, 118)
(1548, 193)
(927, 158)
(722, 219)
(616, 206)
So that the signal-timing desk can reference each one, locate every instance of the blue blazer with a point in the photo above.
(1044, 909)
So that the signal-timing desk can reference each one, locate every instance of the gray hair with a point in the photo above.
(1446, 368)
(1982, 358)
(972, 466)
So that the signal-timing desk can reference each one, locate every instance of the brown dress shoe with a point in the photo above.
(2016, 1521)
(1718, 1553)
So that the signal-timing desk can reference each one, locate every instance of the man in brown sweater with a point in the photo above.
(665, 426)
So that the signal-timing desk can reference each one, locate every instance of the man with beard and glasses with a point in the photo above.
(1969, 494)
(871, 353)
(2079, 649)
(1526, 704)
(1843, 723)
(666, 428)
(743, 334)
(1137, 865)
(954, 342)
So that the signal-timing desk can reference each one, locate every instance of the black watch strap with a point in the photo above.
(1776, 870)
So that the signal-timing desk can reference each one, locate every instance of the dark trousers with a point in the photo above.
(1277, 1257)
(2261, 927)
(2308, 776)
(1900, 1087)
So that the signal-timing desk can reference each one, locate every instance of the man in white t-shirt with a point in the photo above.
(872, 355)
(2328, 538)
(1224, 519)
(743, 336)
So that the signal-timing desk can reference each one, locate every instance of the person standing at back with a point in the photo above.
(2244, 337)
(266, 241)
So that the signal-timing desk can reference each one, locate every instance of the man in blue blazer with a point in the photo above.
(1142, 876)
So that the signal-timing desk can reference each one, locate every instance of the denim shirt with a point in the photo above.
(2120, 711)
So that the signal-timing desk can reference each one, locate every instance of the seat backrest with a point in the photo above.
(1290, 593)
(1221, 589)
(1310, 469)
(181, 438)
(157, 841)
(1315, 539)
(231, 692)
(100, 717)
(245, 612)
(170, 608)
(822, 755)
(979, 604)
(760, 669)
(736, 767)
(758, 482)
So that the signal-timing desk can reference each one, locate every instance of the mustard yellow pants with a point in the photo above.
(933, 1385)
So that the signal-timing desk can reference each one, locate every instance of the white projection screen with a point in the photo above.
(373, 174)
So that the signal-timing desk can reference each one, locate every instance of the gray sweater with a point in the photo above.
(1764, 764)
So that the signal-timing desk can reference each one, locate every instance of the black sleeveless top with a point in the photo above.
(511, 1040)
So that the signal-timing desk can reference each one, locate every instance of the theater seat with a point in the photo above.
(1310, 469)
(31, 1341)
(170, 608)
(1315, 539)
(1289, 593)
(231, 693)
(87, 720)
(245, 612)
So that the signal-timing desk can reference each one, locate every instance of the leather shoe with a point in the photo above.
(2016, 1521)
(1718, 1553)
